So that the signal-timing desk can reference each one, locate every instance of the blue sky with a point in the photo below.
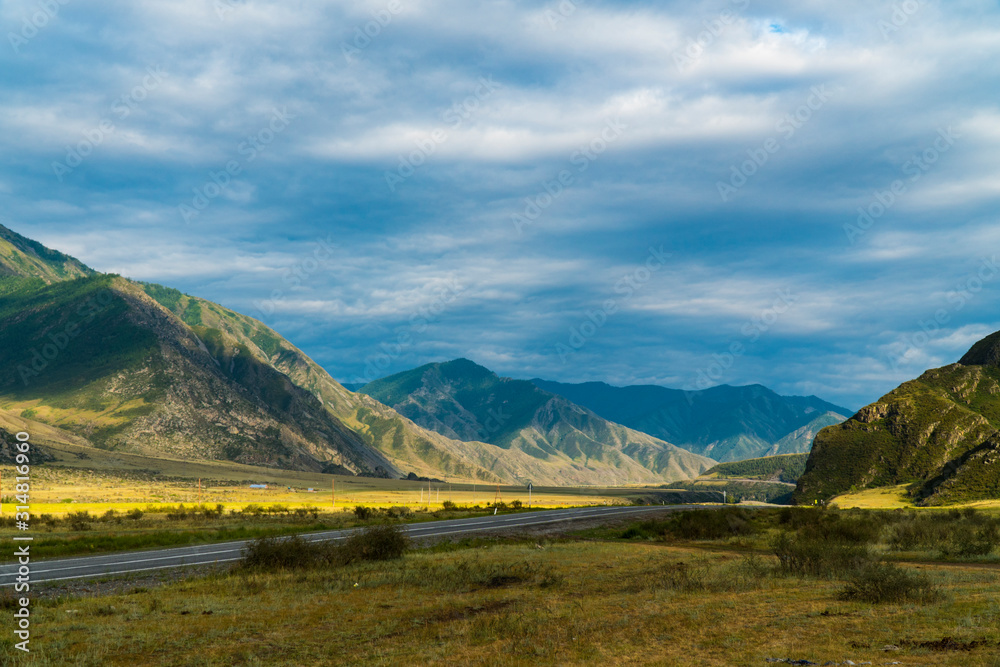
(634, 192)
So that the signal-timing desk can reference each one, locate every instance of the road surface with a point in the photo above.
(224, 552)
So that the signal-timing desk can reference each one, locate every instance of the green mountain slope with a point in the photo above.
(545, 436)
(22, 257)
(726, 423)
(939, 433)
(782, 468)
(99, 358)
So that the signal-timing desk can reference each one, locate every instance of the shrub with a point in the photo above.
(881, 582)
(363, 513)
(710, 524)
(134, 514)
(449, 506)
(79, 520)
(969, 540)
(375, 543)
(384, 542)
(293, 553)
(808, 555)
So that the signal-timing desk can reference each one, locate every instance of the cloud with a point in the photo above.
(698, 93)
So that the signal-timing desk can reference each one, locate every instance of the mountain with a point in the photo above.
(545, 436)
(725, 423)
(939, 433)
(23, 257)
(139, 367)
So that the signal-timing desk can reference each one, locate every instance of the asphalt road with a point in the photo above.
(159, 559)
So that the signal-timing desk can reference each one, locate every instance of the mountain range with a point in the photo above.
(139, 367)
(540, 430)
(939, 434)
(725, 423)
(105, 361)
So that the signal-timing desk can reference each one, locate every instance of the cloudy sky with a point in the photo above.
(801, 194)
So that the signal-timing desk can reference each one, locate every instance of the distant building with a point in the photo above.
(258, 486)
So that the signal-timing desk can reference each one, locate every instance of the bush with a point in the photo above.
(880, 583)
(134, 514)
(449, 506)
(293, 553)
(696, 525)
(79, 520)
(969, 540)
(375, 543)
(384, 542)
(806, 555)
(363, 513)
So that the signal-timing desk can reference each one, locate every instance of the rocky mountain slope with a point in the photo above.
(939, 433)
(725, 423)
(546, 435)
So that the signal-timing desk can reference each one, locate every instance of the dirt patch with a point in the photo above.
(949, 644)
(490, 607)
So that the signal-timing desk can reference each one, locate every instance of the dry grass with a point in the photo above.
(569, 603)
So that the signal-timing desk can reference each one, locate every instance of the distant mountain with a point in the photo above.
(939, 433)
(546, 437)
(725, 423)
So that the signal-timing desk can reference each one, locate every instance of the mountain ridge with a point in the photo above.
(726, 423)
(462, 400)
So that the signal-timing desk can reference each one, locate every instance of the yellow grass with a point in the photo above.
(895, 497)
(887, 498)
(581, 604)
(85, 478)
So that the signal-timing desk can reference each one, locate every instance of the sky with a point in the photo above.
(800, 194)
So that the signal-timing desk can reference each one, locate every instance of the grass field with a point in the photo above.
(82, 502)
(85, 478)
(896, 498)
(668, 601)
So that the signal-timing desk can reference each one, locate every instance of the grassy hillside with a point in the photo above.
(784, 468)
(96, 357)
(22, 257)
(938, 434)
